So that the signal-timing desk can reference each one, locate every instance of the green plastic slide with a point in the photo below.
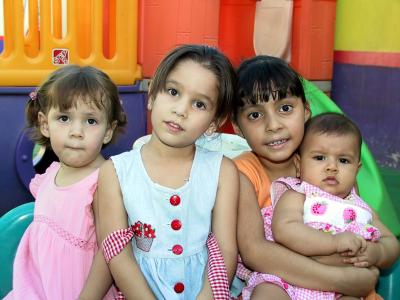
(12, 226)
(369, 180)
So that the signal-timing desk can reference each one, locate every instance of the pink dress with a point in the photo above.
(321, 211)
(56, 251)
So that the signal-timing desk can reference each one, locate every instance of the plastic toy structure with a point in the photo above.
(127, 39)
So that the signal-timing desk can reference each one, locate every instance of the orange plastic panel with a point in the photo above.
(165, 24)
(236, 28)
(313, 38)
(29, 57)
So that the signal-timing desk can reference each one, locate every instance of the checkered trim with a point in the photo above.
(217, 274)
(241, 271)
(115, 242)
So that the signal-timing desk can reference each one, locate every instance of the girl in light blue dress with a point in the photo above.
(169, 192)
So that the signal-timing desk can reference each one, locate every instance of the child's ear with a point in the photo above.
(359, 165)
(212, 128)
(43, 124)
(307, 111)
(109, 132)
(150, 103)
(296, 161)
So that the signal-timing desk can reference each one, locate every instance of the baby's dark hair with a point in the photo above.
(264, 76)
(335, 124)
(211, 59)
(64, 87)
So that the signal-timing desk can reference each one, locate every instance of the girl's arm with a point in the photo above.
(99, 280)
(289, 230)
(381, 254)
(264, 256)
(112, 216)
(224, 219)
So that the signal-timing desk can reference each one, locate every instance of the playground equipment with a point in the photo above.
(367, 73)
(128, 38)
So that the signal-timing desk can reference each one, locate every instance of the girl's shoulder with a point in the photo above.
(39, 179)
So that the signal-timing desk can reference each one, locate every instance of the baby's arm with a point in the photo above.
(264, 256)
(381, 254)
(289, 230)
(224, 220)
(112, 216)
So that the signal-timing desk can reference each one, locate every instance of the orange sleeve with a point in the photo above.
(249, 165)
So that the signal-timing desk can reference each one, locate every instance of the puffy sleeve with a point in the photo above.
(37, 181)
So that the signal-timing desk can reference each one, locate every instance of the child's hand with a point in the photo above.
(349, 243)
(364, 259)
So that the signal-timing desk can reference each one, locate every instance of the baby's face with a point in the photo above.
(330, 162)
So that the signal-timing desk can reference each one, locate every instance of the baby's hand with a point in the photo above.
(349, 243)
(364, 259)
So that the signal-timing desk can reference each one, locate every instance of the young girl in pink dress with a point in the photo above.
(75, 112)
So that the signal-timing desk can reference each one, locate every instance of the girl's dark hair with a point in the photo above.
(335, 124)
(65, 87)
(262, 77)
(211, 59)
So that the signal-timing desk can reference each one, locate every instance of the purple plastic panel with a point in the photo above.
(16, 168)
(370, 96)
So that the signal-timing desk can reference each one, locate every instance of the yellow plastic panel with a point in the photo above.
(367, 25)
(28, 59)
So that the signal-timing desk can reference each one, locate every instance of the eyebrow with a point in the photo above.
(197, 94)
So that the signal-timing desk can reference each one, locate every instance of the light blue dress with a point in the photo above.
(174, 262)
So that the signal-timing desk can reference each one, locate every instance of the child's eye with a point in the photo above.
(63, 119)
(172, 92)
(91, 121)
(319, 157)
(254, 115)
(286, 108)
(199, 104)
(344, 161)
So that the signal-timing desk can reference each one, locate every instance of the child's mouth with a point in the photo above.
(277, 143)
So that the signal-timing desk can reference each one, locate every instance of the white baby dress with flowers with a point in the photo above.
(170, 226)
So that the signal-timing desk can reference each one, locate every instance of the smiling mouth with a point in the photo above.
(277, 143)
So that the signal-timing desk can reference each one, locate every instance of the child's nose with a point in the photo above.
(181, 108)
(76, 129)
(331, 165)
(272, 123)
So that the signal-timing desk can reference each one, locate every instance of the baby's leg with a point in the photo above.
(349, 298)
(265, 291)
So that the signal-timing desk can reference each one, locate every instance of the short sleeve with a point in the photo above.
(281, 185)
(37, 181)
(249, 165)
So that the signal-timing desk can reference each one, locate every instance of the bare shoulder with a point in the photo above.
(229, 170)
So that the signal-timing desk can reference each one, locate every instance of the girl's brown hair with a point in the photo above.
(211, 59)
(65, 87)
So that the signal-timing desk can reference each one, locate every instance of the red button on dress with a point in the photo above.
(179, 287)
(175, 200)
(176, 224)
(177, 249)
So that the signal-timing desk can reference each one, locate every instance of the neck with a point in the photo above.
(68, 175)
(164, 151)
(275, 170)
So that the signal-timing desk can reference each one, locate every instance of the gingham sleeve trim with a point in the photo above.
(217, 274)
(115, 242)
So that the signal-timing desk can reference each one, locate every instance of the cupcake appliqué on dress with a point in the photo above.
(144, 235)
